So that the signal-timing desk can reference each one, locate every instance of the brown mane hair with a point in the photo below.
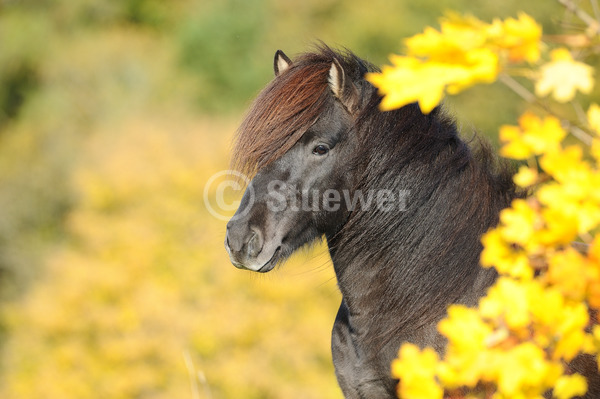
(282, 112)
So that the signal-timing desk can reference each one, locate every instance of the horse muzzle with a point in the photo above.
(247, 248)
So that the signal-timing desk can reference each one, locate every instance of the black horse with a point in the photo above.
(401, 199)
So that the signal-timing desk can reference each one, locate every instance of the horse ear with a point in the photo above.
(281, 62)
(342, 87)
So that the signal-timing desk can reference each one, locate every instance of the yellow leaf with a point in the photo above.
(568, 386)
(563, 76)
(413, 80)
(507, 298)
(461, 319)
(521, 37)
(568, 271)
(533, 136)
(500, 254)
(596, 149)
(525, 177)
(416, 370)
(593, 115)
(409, 80)
(456, 36)
(522, 367)
(518, 222)
(567, 165)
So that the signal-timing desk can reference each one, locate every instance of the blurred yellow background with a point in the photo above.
(113, 116)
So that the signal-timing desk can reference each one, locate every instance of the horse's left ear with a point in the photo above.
(342, 87)
(281, 62)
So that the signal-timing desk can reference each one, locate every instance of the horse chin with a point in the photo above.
(267, 268)
(260, 267)
(271, 263)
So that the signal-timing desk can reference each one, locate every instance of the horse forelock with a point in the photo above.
(282, 113)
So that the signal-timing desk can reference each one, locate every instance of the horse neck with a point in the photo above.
(398, 270)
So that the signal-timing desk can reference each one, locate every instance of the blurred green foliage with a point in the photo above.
(113, 115)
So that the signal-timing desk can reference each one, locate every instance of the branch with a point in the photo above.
(517, 88)
(596, 9)
(532, 99)
(582, 15)
(578, 132)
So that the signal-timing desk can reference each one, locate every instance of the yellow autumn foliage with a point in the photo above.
(132, 293)
(464, 52)
(142, 283)
(534, 320)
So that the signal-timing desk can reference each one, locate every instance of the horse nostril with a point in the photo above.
(255, 244)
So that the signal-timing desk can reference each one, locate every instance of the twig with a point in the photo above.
(579, 133)
(596, 9)
(517, 88)
(579, 112)
(202, 379)
(581, 14)
(532, 99)
(195, 377)
(191, 371)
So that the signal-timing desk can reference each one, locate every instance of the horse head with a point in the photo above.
(298, 139)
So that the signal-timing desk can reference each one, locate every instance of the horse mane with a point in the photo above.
(428, 253)
(288, 106)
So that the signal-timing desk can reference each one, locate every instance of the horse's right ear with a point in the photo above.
(281, 62)
(342, 87)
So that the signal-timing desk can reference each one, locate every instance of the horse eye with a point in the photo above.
(320, 150)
